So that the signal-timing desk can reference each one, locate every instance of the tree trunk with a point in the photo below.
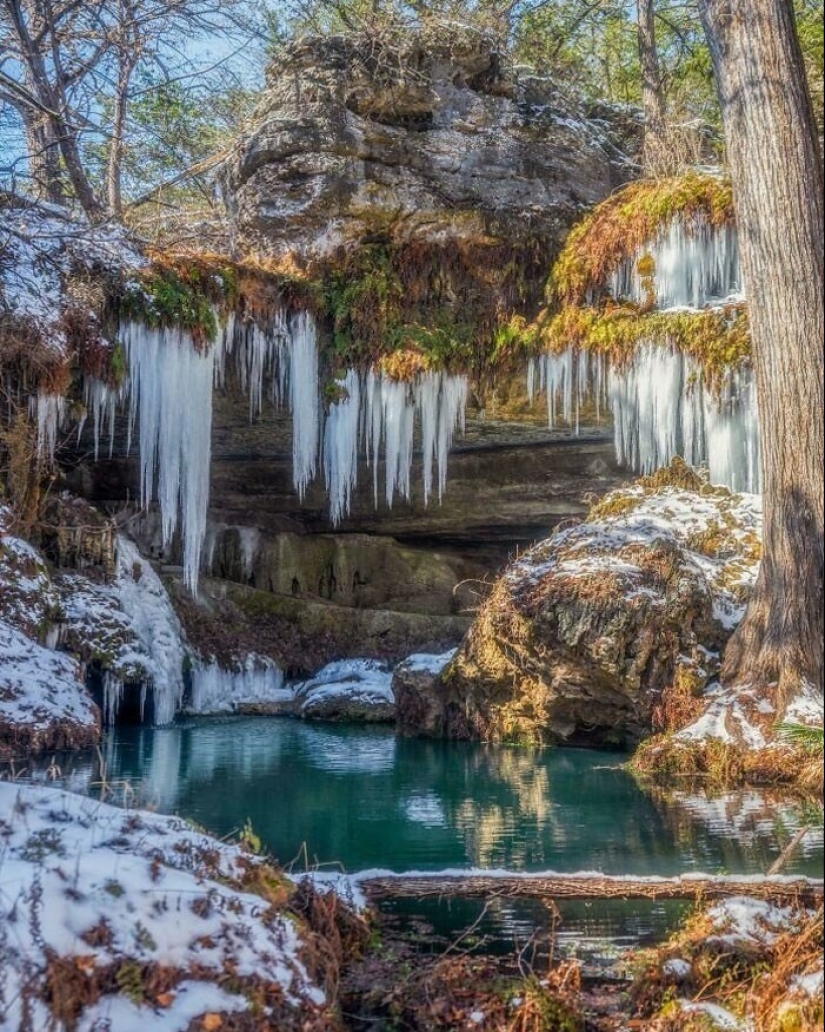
(654, 154)
(776, 171)
(43, 157)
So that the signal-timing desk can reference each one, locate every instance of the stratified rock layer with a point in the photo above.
(359, 137)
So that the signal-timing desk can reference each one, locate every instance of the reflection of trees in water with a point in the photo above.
(365, 798)
(746, 825)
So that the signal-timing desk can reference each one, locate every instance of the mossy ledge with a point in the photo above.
(615, 230)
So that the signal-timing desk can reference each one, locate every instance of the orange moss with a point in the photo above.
(616, 229)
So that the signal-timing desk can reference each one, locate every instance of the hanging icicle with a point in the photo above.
(694, 264)
(661, 408)
(171, 396)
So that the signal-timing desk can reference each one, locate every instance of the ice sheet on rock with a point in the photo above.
(150, 882)
(145, 601)
(218, 690)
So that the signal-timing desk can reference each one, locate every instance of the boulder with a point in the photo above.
(599, 633)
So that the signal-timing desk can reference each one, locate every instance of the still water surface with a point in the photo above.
(359, 797)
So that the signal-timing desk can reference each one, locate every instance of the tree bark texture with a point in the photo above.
(776, 169)
(653, 104)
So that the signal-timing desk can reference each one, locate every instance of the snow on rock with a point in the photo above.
(130, 629)
(256, 685)
(350, 689)
(41, 247)
(427, 662)
(717, 1018)
(590, 627)
(100, 888)
(728, 717)
(28, 599)
(43, 704)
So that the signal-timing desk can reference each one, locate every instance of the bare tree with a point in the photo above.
(776, 168)
(68, 67)
(653, 100)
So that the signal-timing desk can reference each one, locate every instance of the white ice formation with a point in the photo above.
(218, 690)
(695, 264)
(660, 403)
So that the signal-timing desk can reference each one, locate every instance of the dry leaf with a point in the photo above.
(211, 1022)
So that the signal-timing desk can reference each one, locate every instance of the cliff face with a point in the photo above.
(356, 140)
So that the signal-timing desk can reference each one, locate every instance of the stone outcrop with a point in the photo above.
(424, 136)
(601, 632)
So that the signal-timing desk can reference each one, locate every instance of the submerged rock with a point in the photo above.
(600, 632)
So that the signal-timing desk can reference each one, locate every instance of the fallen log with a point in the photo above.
(435, 885)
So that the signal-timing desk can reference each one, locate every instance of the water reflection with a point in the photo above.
(362, 798)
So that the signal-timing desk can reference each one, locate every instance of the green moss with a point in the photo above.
(162, 298)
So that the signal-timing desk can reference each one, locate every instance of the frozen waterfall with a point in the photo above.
(661, 408)
(694, 264)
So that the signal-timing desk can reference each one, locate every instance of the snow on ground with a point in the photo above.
(125, 890)
(717, 532)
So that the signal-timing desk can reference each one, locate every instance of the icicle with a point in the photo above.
(51, 413)
(694, 264)
(304, 401)
(341, 447)
(171, 394)
(661, 409)
(215, 690)
(103, 402)
(112, 698)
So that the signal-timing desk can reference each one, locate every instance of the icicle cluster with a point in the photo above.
(566, 380)
(102, 401)
(379, 415)
(694, 264)
(171, 397)
(215, 690)
(661, 408)
(50, 410)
